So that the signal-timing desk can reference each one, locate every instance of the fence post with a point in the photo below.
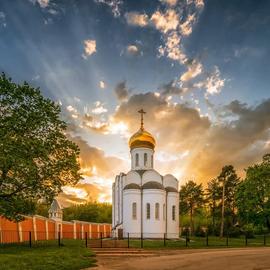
(164, 239)
(246, 239)
(227, 239)
(30, 239)
(86, 239)
(101, 239)
(207, 238)
(59, 241)
(128, 240)
(141, 240)
(264, 240)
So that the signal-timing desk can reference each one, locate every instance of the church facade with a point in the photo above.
(143, 201)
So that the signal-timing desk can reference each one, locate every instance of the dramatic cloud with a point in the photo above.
(165, 21)
(121, 91)
(200, 147)
(212, 83)
(132, 50)
(171, 89)
(113, 4)
(136, 19)
(99, 108)
(98, 171)
(175, 23)
(172, 48)
(42, 3)
(89, 48)
(194, 69)
(170, 2)
(186, 27)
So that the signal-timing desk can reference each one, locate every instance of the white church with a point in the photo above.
(144, 202)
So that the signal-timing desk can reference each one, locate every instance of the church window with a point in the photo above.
(152, 161)
(137, 160)
(164, 213)
(134, 210)
(145, 159)
(148, 210)
(157, 211)
(173, 212)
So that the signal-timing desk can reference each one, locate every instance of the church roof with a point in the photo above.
(132, 186)
(140, 172)
(55, 206)
(153, 185)
(171, 189)
(142, 139)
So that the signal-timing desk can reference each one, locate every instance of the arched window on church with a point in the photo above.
(148, 210)
(157, 211)
(145, 159)
(137, 160)
(152, 161)
(134, 210)
(173, 212)
(164, 213)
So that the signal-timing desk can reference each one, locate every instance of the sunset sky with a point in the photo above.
(200, 69)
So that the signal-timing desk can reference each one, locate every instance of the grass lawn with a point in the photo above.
(72, 255)
(200, 242)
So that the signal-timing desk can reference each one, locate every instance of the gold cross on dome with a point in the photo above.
(142, 112)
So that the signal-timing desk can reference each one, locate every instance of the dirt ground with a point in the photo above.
(210, 259)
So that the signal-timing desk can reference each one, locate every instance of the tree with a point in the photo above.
(91, 211)
(36, 158)
(213, 193)
(191, 199)
(229, 181)
(253, 194)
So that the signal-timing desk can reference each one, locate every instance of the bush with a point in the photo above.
(234, 232)
(213, 230)
(248, 230)
(199, 232)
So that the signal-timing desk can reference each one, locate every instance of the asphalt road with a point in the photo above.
(211, 259)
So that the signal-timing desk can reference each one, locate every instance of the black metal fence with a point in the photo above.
(130, 240)
(39, 238)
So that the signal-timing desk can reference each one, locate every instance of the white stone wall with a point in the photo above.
(141, 165)
(170, 181)
(131, 225)
(132, 177)
(151, 175)
(153, 228)
(113, 205)
(172, 225)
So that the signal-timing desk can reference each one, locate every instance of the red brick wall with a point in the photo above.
(67, 231)
(9, 231)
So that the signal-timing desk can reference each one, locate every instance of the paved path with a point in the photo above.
(207, 259)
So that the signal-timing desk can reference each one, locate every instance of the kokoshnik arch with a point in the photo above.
(144, 202)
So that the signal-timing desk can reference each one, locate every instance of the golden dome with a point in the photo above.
(142, 138)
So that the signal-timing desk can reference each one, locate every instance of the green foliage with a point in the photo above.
(191, 200)
(92, 212)
(229, 182)
(253, 195)
(36, 158)
(213, 199)
(42, 209)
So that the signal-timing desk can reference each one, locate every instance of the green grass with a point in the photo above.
(200, 242)
(72, 255)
